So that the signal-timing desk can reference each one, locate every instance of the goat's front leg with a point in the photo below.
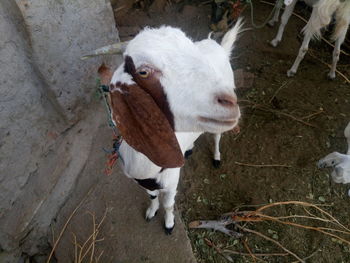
(336, 53)
(154, 206)
(302, 51)
(284, 20)
(217, 155)
(169, 218)
(169, 181)
(276, 14)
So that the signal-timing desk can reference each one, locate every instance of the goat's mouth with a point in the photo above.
(221, 122)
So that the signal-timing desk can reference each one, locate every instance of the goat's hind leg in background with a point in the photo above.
(336, 53)
(313, 26)
(342, 24)
(320, 17)
(284, 20)
(302, 51)
(217, 155)
(276, 14)
(154, 206)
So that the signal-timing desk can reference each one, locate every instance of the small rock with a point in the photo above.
(222, 176)
(322, 199)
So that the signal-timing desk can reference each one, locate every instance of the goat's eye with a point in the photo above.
(143, 73)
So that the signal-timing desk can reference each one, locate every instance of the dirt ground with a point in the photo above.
(266, 137)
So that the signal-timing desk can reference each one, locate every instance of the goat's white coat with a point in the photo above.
(321, 16)
(339, 162)
(192, 74)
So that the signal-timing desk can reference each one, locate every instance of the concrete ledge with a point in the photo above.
(127, 235)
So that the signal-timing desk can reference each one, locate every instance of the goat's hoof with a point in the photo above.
(216, 163)
(149, 215)
(169, 230)
(188, 153)
(271, 23)
(331, 76)
(274, 42)
(290, 73)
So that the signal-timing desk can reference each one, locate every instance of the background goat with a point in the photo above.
(321, 16)
(339, 162)
(168, 91)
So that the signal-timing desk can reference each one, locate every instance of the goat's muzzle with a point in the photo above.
(226, 100)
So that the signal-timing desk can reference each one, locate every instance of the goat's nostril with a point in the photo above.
(227, 100)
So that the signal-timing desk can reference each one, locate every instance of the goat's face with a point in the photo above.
(204, 99)
(168, 83)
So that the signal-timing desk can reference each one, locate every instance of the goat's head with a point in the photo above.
(340, 163)
(169, 83)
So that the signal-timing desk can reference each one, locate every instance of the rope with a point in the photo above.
(117, 140)
(277, 5)
(103, 89)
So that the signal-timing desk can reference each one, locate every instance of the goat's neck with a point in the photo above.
(137, 165)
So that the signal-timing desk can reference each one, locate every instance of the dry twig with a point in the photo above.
(312, 115)
(220, 252)
(278, 90)
(88, 247)
(255, 254)
(263, 165)
(249, 251)
(66, 224)
(116, 10)
(310, 256)
(240, 219)
(267, 109)
(273, 241)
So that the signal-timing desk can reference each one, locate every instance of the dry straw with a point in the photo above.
(311, 215)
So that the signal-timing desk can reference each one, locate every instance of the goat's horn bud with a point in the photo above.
(117, 48)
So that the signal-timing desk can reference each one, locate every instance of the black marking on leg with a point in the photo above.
(153, 196)
(188, 153)
(150, 184)
(168, 231)
(216, 163)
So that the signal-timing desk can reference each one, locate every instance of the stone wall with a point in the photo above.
(47, 118)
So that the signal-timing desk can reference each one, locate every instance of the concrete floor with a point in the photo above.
(127, 237)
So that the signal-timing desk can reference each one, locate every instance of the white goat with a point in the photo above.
(168, 91)
(322, 13)
(340, 162)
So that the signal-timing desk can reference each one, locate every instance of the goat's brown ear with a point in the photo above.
(105, 74)
(144, 126)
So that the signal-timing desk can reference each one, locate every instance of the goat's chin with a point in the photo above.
(217, 126)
